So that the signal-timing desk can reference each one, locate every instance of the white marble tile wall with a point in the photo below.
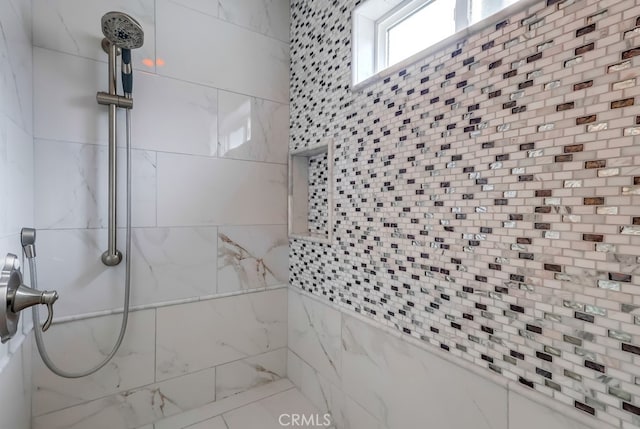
(16, 131)
(238, 376)
(241, 192)
(268, 17)
(165, 348)
(130, 409)
(219, 331)
(72, 190)
(250, 128)
(15, 389)
(387, 382)
(265, 414)
(70, 26)
(16, 175)
(329, 397)
(221, 406)
(16, 192)
(210, 149)
(526, 414)
(403, 388)
(16, 66)
(92, 339)
(215, 52)
(210, 142)
(252, 257)
(319, 346)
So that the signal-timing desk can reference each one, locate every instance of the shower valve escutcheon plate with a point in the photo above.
(15, 297)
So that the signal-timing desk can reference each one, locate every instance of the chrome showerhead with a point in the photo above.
(122, 30)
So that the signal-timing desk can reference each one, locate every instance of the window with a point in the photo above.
(387, 32)
(412, 28)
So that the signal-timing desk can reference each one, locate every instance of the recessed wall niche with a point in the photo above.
(310, 193)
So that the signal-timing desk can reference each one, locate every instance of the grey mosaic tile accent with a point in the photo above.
(318, 195)
(471, 213)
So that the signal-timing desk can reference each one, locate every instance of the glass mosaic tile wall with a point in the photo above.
(487, 198)
(318, 195)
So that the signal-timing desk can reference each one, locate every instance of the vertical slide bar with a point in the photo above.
(112, 256)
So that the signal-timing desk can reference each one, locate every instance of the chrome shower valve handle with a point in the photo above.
(15, 297)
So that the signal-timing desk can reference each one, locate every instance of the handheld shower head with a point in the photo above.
(122, 30)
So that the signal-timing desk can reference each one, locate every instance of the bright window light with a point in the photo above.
(480, 9)
(425, 27)
(387, 32)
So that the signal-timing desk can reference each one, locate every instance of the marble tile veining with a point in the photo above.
(239, 376)
(269, 17)
(16, 397)
(16, 173)
(207, 7)
(219, 407)
(217, 422)
(259, 321)
(174, 116)
(131, 409)
(16, 67)
(173, 263)
(252, 257)
(16, 191)
(314, 335)
(221, 54)
(327, 397)
(92, 339)
(71, 100)
(240, 192)
(271, 412)
(525, 414)
(88, 288)
(252, 128)
(73, 26)
(375, 370)
(71, 186)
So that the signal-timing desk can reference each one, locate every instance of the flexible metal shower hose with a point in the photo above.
(127, 286)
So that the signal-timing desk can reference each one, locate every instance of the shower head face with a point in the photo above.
(122, 30)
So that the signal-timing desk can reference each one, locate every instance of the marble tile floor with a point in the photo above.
(258, 408)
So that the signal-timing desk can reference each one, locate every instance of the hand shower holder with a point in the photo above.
(106, 99)
(15, 297)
